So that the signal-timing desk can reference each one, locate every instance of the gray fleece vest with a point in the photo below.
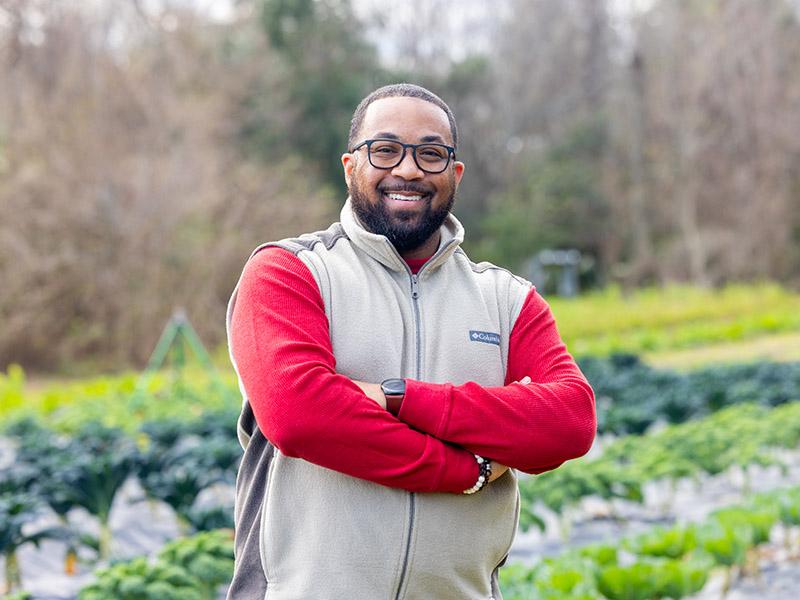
(304, 532)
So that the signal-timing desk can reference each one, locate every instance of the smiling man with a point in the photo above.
(392, 387)
(405, 200)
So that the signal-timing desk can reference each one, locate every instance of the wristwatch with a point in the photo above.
(394, 390)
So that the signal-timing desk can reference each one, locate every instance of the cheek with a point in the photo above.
(366, 181)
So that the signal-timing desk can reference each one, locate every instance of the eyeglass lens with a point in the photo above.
(433, 158)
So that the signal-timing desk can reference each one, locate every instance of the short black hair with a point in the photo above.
(403, 90)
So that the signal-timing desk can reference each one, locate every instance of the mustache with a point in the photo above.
(408, 187)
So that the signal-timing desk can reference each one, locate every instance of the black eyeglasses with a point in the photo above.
(387, 154)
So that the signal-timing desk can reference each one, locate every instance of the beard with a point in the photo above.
(406, 231)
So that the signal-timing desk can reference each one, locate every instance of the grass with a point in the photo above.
(783, 347)
(656, 320)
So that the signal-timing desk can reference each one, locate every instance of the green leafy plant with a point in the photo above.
(22, 595)
(141, 580)
(667, 543)
(633, 582)
(208, 557)
(600, 554)
(666, 563)
(186, 569)
(178, 473)
(758, 520)
(100, 460)
(705, 446)
(567, 578)
(632, 395)
(678, 579)
(17, 509)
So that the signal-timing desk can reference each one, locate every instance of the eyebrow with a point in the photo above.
(426, 138)
(432, 138)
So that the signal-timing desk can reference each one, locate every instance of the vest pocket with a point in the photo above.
(326, 535)
(461, 540)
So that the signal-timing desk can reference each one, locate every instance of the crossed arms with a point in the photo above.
(281, 343)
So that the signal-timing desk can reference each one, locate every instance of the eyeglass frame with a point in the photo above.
(451, 152)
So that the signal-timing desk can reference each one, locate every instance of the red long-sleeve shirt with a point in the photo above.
(281, 343)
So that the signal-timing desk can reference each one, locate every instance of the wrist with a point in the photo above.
(484, 475)
(394, 390)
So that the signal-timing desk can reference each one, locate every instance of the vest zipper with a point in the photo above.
(411, 501)
(411, 496)
(417, 319)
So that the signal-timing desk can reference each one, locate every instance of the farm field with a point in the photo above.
(568, 508)
(691, 426)
(780, 347)
(674, 318)
(638, 160)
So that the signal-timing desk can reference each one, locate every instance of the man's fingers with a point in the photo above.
(497, 470)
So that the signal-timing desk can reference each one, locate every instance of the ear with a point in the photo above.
(458, 171)
(349, 164)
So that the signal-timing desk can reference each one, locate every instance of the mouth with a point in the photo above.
(404, 196)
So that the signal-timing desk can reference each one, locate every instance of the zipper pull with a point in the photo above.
(414, 287)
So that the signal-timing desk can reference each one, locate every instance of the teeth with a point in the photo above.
(404, 197)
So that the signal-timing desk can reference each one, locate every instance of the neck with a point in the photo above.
(425, 250)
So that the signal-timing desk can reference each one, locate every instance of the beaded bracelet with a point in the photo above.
(484, 475)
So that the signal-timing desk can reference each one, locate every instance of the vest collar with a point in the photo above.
(381, 249)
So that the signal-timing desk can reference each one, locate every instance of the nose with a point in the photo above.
(407, 168)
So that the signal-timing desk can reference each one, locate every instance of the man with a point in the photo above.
(389, 383)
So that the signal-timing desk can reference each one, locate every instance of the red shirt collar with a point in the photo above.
(415, 264)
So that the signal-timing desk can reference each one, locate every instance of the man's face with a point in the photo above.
(404, 203)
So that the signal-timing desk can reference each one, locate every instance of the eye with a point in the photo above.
(385, 149)
(431, 153)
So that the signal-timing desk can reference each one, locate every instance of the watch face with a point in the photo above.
(394, 387)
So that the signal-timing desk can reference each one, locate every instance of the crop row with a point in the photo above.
(688, 335)
(173, 460)
(661, 563)
(672, 317)
(631, 396)
(116, 401)
(741, 436)
(190, 568)
(176, 460)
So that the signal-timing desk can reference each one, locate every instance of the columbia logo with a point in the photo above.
(485, 336)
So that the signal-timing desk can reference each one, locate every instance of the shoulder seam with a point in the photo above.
(487, 266)
(298, 245)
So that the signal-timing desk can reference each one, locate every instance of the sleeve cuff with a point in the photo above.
(426, 406)
(460, 474)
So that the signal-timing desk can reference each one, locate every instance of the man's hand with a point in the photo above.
(497, 470)
(373, 391)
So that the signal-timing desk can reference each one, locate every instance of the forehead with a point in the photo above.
(410, 119)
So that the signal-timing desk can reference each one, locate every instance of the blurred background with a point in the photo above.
(147, 146)
(638, 159)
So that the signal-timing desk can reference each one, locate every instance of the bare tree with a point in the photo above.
(124, 190)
